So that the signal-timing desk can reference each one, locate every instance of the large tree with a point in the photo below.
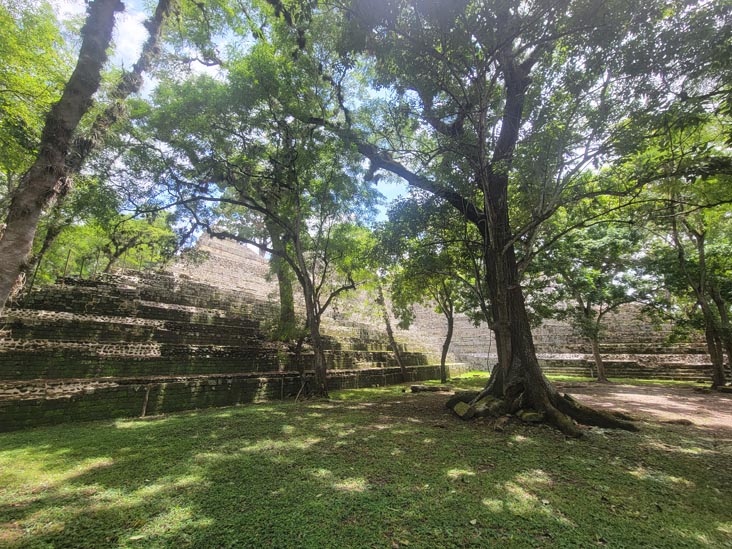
(498, 108)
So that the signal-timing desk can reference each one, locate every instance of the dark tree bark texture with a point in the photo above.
(41, 183)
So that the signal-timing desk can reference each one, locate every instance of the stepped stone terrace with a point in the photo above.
(141, 343)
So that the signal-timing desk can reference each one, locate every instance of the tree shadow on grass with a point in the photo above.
(398, 472)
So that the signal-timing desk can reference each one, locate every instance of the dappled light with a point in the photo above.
(662, 478)
(367, 474)
(243, 240)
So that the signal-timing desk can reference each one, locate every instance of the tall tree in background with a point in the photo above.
(590, 274)
(237, 141)
(431, 259)
(62, 153)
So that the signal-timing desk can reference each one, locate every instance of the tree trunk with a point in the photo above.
(320, 367)
(56, 225)
(287, 322)
(599, 364)
(390, 333)
(517, 383)
(726, 327)
(40, 184)
(714, 346)
(446, 347)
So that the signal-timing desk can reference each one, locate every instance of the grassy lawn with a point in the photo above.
(476, 380)
(370, 468)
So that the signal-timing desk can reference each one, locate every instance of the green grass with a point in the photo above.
(371, 468)
(477, 379)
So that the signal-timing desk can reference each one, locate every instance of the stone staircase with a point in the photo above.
(146, 343)
(662, 366)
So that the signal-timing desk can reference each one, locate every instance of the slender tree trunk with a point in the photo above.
(390, 333)
(599, 364)
(714, 343)
(698, 283)
(40, 184)
(287, 323)
(320, 366)
(726, 327)
(446, 346)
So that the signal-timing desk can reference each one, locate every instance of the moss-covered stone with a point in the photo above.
(464, 410)
(530, 416)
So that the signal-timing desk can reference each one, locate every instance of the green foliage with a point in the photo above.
(432, 259)
(95, 245)
(589, 273)
(34, 66)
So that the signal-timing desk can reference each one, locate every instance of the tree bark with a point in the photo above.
(599, 364)
(714, 343)
(319, 366)
(699, 285)
(518, 382)
(725, 327)
(287, 322)
(40, 184)
(390, 333)
(446, 347)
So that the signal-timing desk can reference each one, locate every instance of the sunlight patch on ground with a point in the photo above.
(519, 500)
(321, 473)
(456, 474)
(642, 473)
(691, 450)
(140, 423)
(351, 485)
(166, 484)
(522, 439)
(173, 519)
(268, 445)
(535, 478)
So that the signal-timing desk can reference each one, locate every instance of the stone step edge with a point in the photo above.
(90, 384)
(49, 316)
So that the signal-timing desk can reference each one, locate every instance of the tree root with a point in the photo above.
(560, 411)
(590, 416)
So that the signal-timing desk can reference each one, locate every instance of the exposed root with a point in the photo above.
(590, 416)
(560, 411)
(562, 422)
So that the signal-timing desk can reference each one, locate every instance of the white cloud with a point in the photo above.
(129, 36)
(129, 31)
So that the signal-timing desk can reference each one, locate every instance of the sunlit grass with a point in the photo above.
(368, 468)
(477, 379)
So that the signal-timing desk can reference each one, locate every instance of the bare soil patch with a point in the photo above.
(657, 403)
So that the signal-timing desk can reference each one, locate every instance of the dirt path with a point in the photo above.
(658, 403)
(655, 403)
